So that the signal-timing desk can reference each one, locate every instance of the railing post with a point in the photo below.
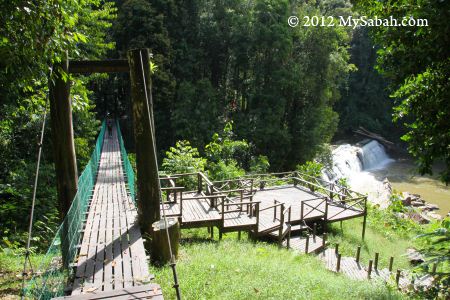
(307, 244)
(375, 264)
(369, 270)
(358, 253)
(314, 231)
(324, 240)
(336, 249)
(281, 225)
(274, 210)
(397, 277)
(288, 242)
(365, 218)
(199, 183)
(338, 263)
(331, 191)
(391, 263)
(301, 210)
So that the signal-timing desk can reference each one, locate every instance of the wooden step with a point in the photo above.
(299, 242)
(148, 291)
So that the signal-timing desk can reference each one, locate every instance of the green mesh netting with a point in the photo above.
(54, 270)
(129, 173)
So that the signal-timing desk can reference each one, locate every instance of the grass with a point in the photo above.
(11, 266)
(232, 269)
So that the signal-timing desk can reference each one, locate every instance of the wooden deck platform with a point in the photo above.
(270, 210)
(313, 204)
(112, 254)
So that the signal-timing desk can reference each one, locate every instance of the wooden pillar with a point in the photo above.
(148, 186)
(365, 219)
(62, 137)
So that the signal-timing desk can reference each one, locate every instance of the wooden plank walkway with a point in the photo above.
(112, 254)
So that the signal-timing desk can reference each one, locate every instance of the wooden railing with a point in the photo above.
(359, 204)
(252, 209)
(314, 207)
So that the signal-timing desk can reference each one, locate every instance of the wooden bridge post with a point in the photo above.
(63, 147)
(358, 254)
(62, 137)
(148, 185)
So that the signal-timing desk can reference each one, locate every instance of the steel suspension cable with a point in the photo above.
(33, 202)
(176, 286)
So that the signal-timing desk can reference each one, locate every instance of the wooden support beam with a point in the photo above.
(62, 137)
(148, 185)
(98, 66)
(358, 254)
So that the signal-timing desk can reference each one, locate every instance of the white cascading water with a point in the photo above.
(354, 163)
(349, 160)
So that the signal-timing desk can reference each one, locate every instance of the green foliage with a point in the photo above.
(396, 204)
(183, 158)
(416, 61)
(259, 165)
(435, 245)
(365, 100)
(343, 181)
(226, 155)
(311, 168)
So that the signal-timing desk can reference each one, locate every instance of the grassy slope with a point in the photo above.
(242, 270)
(233, 269)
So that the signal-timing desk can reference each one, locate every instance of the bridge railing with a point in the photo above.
(53, 271)
(129, 173)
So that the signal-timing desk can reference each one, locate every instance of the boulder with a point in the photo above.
(414, 256)
(434, 215)
(419, 218)
(406, 199)
(417, 203)
(430, 206)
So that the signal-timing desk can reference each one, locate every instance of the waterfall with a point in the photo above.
(349, 160)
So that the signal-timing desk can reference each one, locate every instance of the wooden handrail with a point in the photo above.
(174, 188)
(271, 206)
(241, 203)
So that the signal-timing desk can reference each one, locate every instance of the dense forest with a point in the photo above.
(235, 88)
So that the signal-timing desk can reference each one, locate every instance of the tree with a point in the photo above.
(416, 61)
(34, 35)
